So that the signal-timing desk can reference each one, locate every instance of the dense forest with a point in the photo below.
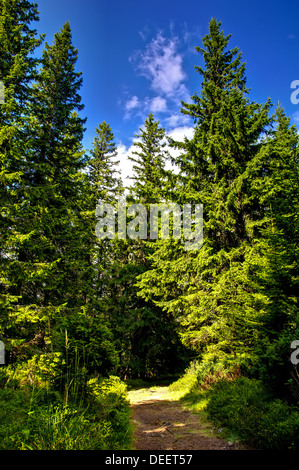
(80, 315)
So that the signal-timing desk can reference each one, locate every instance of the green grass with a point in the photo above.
(37, 419)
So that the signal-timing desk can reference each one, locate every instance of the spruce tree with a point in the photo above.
(274, 180)
(150, 177)
(208, 290)
(146, 337)
(17, 69)
(53, 171)
(104, 187)
(63, 197)
(49, 274)
(104, 176)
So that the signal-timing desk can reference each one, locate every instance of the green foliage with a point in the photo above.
(17, 67)
(246, 407)
(204, 374)
(86, 336)
(36, 419)
(272, 364)
(188, 381)
(109, 401)
(151, 180)
(66, 429)
(41, 371)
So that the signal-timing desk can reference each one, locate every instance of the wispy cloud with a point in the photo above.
(158, 105)
(132, 103)
(162, 65)
(177, 120)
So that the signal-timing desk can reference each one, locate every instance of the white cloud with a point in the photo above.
(141, 108)
(125, 165)
(132, 103)
(158, 104)
(162, 65)
(179, 133)
(177, 120)
(144, 33)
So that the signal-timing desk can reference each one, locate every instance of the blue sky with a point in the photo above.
(139, 56)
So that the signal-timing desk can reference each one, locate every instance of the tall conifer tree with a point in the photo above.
(54, 161)
(59, 252)
(208, 291)
(104, 187)
(104, 176)
(274, 176)
(146, 337)
(17, 69)
(149, 160)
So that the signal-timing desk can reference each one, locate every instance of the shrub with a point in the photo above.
(14, 407)
(205, 373)
(108, 398)
(41, 370)
(28, 421)
(185, 383)
(245, 407)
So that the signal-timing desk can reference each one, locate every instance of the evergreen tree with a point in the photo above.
(209, 291)
(274, 174)
(151, 180)
(104, 177)
(53, 160)
(17, 69)
(104, 186)
(63, 198)
(50, 273)
(146, 338)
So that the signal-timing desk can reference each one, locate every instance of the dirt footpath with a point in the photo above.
(161, 424)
